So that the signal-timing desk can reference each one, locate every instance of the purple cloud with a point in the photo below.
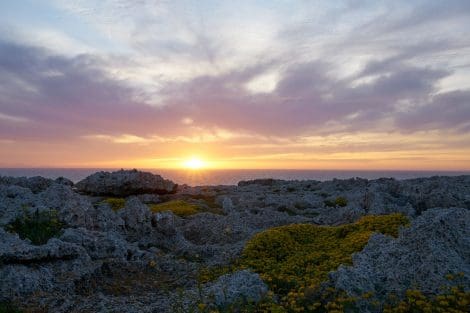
(62, 98)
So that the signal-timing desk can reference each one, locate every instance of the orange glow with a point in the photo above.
(194, 163)
(361, 151)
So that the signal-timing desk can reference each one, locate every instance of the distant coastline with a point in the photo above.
(232, 176)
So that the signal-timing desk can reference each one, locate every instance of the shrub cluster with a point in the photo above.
(338, 202)
(179, 207)
(115, 203)
(295, 259)
(8, 307)
(38, 226)
(454, 300)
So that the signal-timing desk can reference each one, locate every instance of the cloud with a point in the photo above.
(201, 75)
(71, 97)
(11, 118)
(449, 110)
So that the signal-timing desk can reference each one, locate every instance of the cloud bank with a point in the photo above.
(163, 74)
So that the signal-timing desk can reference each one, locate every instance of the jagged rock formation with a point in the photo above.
(435, 245)
(110, 257)
(35, 184)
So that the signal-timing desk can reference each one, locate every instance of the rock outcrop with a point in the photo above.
(436, 244)
(125, 183)
(35, 184)
(131, 259)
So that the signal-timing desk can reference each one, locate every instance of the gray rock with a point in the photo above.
(338, 216)
(230, 288)
(166, 223)
(149, 198)
(227, 205)
(137, 219)
(14, 250)
(35, 184)
(20, 280)
(99, 245)
(25, 268)
(125, 183)
(13, 200)
(74, 209)
(437, 243)
(260, 181)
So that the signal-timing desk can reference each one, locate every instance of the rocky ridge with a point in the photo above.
(134, 260)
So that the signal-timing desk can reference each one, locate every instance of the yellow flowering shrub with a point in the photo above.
(211, 273)
(453, 300)
(295, 259)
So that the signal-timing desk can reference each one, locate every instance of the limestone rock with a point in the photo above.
(14, 250)
(98, 245)
(13, 200)
(436, 244)
(137, 219)
(242, 285)
(125, 183)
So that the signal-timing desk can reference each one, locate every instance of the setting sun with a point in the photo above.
(194, 163)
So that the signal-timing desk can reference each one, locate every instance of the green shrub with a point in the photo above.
(341, 202)
(454, 299)
(179, 207)
(338, 202)
(8, 307)
(115, 203)
(38, 226)
(295, 259)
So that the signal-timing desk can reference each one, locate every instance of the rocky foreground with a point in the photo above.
(117, 250)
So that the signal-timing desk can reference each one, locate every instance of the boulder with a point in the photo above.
(13, 200)
(436, 244)
(137, 219)
(25, 268)
(98, 245)
(73, 208)
(35, 184)
(124, 183)
(13, 250)
(230, 288)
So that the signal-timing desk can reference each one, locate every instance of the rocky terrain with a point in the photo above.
(109, 243)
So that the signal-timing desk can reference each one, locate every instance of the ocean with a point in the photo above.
(229, 177)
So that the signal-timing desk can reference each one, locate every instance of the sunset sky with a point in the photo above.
(235, 84)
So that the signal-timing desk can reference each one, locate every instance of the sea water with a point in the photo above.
(229, 177)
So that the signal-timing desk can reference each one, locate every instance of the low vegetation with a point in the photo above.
(115, 203)
(179, 207)
(338, 202)
(8, 307)
(295, 259)
(38, 226)
(453, 299)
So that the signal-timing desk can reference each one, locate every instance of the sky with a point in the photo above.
(235, 84)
